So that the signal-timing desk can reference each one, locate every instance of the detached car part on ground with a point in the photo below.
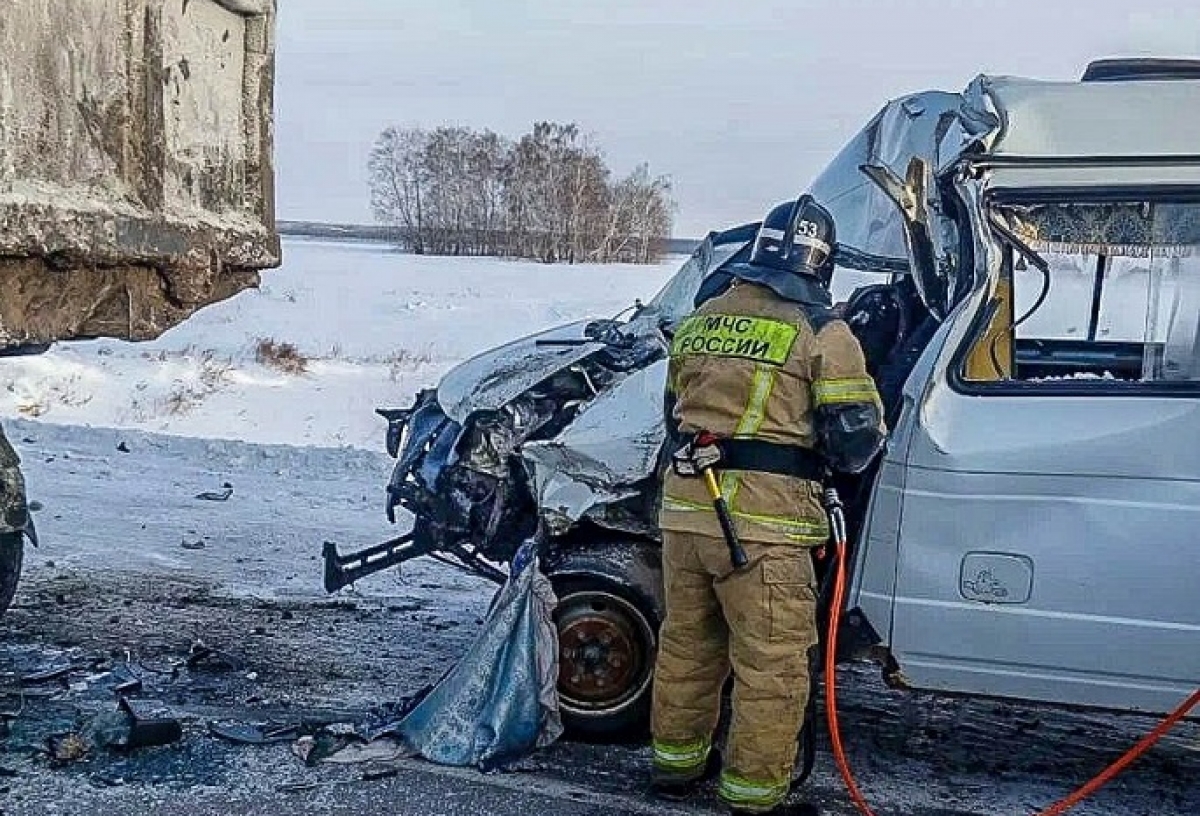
(1034, 324)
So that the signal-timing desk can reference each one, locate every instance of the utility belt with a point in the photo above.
(703, 451)
(704, 454)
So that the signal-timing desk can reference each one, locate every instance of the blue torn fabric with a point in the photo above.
(500, 702)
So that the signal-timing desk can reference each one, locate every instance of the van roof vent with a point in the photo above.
(1141, 68)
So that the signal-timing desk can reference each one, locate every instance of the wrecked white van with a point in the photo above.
(1032, 251)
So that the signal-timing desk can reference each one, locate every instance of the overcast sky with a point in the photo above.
(741, 103)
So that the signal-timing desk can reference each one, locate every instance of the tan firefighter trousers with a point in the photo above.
(761, 623)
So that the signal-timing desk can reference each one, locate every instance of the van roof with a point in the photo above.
(1093, 119)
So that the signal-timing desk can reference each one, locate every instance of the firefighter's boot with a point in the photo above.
(673, 788)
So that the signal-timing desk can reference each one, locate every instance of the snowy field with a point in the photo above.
(372, 326)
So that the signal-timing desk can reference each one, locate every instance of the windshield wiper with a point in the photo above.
(606, 330)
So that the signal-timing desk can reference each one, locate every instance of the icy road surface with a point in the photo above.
(135, 570)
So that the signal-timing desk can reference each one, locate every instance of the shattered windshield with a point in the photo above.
(675, 299)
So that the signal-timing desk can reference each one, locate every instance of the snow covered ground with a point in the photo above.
(371, 325)
(135, 569)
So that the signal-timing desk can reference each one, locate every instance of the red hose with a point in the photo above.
(831, 711)
(839, 754)
(1143, 745)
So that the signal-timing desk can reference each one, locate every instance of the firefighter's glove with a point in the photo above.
(849, 435)
(693, 458)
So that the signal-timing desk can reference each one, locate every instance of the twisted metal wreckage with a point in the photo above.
(1032, 251)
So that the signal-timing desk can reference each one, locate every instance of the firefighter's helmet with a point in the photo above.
(798, 237)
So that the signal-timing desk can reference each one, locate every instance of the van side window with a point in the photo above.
(1117, 304)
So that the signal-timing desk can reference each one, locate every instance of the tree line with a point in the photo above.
(548, 196)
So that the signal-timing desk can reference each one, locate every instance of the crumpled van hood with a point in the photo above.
(491, 380)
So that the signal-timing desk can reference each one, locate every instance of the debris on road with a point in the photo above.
(129, 687)
(500, 701)
(202, 657)
(132, 725)
(217, 495)
(150, 724)
(384, 749)
(319, 747)
(253, 734)
(48, 675)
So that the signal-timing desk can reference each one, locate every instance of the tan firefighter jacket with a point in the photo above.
(748, 365)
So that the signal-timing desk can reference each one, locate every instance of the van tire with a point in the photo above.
(619, 630)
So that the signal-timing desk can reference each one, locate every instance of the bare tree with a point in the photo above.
(444, 161)
(548, 196)
(398, 183)
(644, 212)
(487, 159)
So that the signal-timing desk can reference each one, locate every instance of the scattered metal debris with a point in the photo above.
(128, 687)
(105, 781)
(253, 734)
(150, 723)
(372, 774)
(300, 787)
(314, 748)
(202, 657)
(49, 675)
(171, 671)
(217, 495)
(384, 749)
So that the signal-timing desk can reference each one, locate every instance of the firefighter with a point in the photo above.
(766, 391)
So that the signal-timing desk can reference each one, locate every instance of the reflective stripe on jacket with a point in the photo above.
(748, 365)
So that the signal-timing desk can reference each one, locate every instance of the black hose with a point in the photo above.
(1038, 261)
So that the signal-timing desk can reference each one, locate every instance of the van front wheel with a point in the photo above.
(607, 638)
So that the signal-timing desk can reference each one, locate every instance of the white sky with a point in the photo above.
(740, 102)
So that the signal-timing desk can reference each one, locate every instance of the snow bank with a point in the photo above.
(370, 326)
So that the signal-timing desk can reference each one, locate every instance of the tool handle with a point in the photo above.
(737, 555)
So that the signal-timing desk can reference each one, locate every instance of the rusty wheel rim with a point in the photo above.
(606, 650)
